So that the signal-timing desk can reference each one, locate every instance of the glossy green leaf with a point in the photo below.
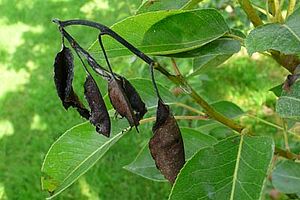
(288, 104)
(234, 168)
(144, 165)
(76, 151)
(286, 177)
(281, 37)
(166, 32)
(155, 5)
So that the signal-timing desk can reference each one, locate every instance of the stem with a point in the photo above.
(273, 125)
(286, 154)
(105, 56)
(269, 16)
(153, 81)
(291, 8)
(238, 38)
(183, 117)
(263, 11)
(250, 12)
(190, 4)
(278, 15)
(187, 107)
(209, 110)
(106, 31)
(92, 62)
(178, 80)
(175, 67)
(215, 114)
(285, 135)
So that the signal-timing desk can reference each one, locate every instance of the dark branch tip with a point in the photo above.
(56, 21)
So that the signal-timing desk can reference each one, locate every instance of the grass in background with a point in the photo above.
(32, 117)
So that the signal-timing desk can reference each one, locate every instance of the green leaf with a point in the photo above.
(221, 46)
(144, 165)
(155, 5)
(166, 32)
(217, 130)
(76, 151)
(228, 109)
(214, 54)
(277, 90)
(286, 177)
(288, 104)
(234, 168)
(281, 37)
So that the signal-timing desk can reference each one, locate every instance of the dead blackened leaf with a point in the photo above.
(73, 100)
(63, 78)
(120, 101)
(99, 114)
(134, 98)
(166, 146)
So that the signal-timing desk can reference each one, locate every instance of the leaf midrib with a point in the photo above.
(235, 174)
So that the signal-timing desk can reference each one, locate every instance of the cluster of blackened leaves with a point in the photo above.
(166, 146)
(123, 96)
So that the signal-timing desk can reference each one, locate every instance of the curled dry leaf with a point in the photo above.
(134, 98)
(63, 78)
(166, 146)
(120, 101)
(99, 114)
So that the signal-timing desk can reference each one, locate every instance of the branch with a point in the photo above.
(92, 62)
(210, 111)
(183, 117)
(187, 107)
(250, 12)
(286, 154)
(178, 80)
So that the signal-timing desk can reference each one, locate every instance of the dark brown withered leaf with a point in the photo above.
(63, 78)
(134, 98)
(99, 114)
(166, 145)
(120, 101)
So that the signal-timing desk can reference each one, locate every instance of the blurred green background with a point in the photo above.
(32, 117)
